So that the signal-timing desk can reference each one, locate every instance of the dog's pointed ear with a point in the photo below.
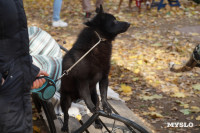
(99, 10)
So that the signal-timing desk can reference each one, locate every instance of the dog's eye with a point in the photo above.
(115, 21)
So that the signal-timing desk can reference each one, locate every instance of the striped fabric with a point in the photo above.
(46, 55)
(45, 52)
(41, 43)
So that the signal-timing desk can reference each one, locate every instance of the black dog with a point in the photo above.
(81, 81)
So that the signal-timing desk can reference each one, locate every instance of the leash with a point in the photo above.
(68, 70)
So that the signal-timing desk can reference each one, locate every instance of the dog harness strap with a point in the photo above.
(68, 70)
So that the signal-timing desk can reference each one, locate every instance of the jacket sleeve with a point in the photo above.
(0, 79)
(34, 70)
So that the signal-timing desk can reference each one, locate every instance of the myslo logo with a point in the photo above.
(180, 124)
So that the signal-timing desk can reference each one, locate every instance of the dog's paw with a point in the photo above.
(93, 110)
(98, 124)
(65, 129)
(107, 109)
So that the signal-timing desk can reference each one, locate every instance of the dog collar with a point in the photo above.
(101, 38)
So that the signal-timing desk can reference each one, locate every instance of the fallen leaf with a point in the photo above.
(184, 105)
(198, 118)
(144, 97)
(178, 95)
(195, 109)
(151, 108)
(126, 88)
(194, 34)
(177, 33)
(36, 129)
(126, 98)
(34, 118)
(156, 44)
(185, 111)
(79, 117)
(174, 109)
(140, 62)
(153, 115)
(136, 71)
(196, 87)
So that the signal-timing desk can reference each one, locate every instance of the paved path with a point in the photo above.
(190, 30)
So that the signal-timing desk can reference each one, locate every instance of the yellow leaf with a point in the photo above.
(136, 71)
(126, 98)
(195, 109)
(151, 108)
(140, 57)
(140, 62)
(144, 97)
(198, 118)
(159, 67)
(34, 118)
(167, 79)
(36, 129)
(153, 114)
(185, 105)
(79, 117)
(177, 33)
(194, 34)
(133, 56)
(126, 88)
(179, 95)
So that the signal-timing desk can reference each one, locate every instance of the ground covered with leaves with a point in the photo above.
(141, 56)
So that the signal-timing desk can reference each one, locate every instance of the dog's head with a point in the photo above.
(107, 24)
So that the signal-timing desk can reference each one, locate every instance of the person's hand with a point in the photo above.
(2, 81)
(39, 82)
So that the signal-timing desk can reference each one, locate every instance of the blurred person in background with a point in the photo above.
(87, 7)
(57, 22)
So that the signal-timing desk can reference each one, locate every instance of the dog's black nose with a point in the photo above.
(128, 24)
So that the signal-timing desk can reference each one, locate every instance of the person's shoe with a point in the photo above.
(59, 23)
(88, 15)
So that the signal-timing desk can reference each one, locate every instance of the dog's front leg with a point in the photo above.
(103, 85)
(85, 94)
(65, 103)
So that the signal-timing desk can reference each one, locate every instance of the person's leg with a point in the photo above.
(86, 5)
(98, 3)
(56, 14)
(86, 8)
(56, 9)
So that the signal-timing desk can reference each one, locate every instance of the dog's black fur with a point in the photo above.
(81, 81)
